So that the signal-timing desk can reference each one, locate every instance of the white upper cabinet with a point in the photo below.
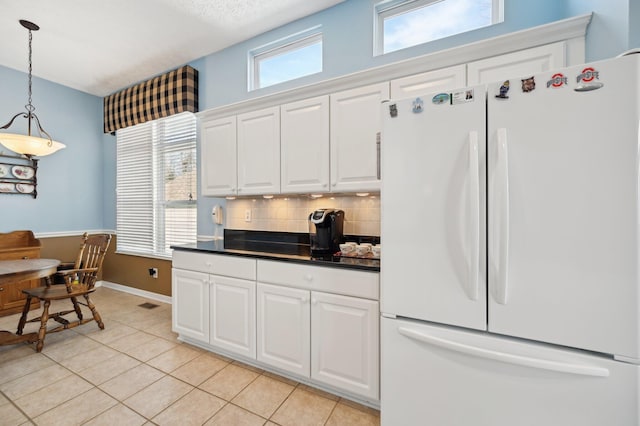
(218, 156)
(517, 64)
(259, 152)
(429, 82)
(304, 145)
(355, 141)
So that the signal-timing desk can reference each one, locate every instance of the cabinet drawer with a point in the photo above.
(331, 280)
(20, 253)
(217, 264)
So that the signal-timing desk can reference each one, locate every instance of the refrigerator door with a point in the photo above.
(563, 207)
(437, 375)
(433, 208)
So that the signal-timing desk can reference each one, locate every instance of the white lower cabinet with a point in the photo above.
(190, 304)
(317, 323)
(331, 338)
(233, 315)
(345, 343)
(214, 300)
(284, 328)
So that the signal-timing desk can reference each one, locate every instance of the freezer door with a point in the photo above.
(437, 375)
(563, 207)
(433, 208)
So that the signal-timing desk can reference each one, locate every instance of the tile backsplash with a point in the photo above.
(290, 214)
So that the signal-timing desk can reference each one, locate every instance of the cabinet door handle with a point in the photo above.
(378, 143)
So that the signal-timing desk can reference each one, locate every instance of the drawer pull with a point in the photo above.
(314, 301)
(303, 299)
(25, 257)
(1, 288)
(208, 264)
(308, 277)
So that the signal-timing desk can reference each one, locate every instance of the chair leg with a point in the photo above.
(43, 325)
(94, 311)
(23, 318)
(76, 306)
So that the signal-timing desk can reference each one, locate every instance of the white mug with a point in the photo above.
(347, 248)
(363, 249)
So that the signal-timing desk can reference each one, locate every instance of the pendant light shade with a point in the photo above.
(29, 145)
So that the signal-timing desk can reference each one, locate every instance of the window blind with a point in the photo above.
(156, 175)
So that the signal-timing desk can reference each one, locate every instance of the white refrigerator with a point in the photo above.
(510, 275)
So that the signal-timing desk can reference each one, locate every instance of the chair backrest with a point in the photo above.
(92, 252)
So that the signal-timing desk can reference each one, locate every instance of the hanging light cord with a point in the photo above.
(29, 107)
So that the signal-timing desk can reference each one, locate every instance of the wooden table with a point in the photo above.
(12, 271)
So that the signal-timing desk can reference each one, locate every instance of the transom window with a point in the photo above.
(289, 58)
(405, 23)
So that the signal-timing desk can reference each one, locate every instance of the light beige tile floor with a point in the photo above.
(136, 372)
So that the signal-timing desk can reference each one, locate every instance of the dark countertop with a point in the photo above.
(218, 247)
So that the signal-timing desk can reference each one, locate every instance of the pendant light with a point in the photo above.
(26, 144)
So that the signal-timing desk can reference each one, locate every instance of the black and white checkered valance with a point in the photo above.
(162, 96)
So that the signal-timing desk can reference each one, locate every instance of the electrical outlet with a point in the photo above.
(153, 272)
(247, 215)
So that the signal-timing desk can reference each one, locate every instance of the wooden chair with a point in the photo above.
(79, 281)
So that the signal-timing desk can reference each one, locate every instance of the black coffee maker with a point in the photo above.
(325, 231)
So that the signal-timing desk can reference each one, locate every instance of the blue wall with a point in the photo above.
(69, 181)
(77, 185)
(348, 46)
(613, 29)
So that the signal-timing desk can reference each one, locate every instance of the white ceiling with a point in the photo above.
(101, 46)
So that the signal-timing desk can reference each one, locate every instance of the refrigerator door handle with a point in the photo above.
(473, 214)
(525, 361)
(378, 158)
(502, 221)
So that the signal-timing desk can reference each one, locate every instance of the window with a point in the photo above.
(286, 59)
(406, 23)
(156, 185)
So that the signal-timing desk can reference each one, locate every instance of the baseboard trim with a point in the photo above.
(135, 291)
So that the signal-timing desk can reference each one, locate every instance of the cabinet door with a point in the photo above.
(190, 304)
(233, 315)
(11, 297)
(284, 318)
(304, 145)
(344, 343)
(429, 82)
(218, 156)
(259, 152)
(523, 64)
(355, 127)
